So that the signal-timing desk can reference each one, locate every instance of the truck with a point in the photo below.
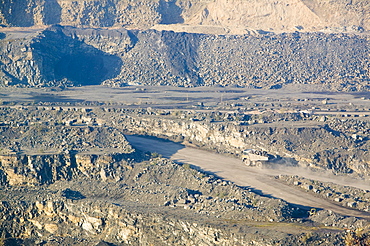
(252, 157)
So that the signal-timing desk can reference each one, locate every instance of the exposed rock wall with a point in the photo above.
(41, 139)
(52, 58)
(80, 13)
(117, 200)
(315, 146)
(160, 181)
(264, 61)
(36, 170)
(118, 57)
(238, 15)
(156, 202)
(128, 13)
(17, 63)
(94, 221)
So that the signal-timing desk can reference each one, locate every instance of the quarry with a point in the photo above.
(184, 122)
(80, 168)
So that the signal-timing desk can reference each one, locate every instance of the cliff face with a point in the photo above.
(36, 170)
(51, 58)
(237, 15)
(115, 199)
(117, 57)
(88, 199)
(300, 146)
(89, 222)
(334, 144)
(80, 13)
(128, 13)
(263, 61)
(108, 222)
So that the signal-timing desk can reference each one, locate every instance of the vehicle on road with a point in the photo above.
(252, 157)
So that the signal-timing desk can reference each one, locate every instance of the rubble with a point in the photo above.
(86, 170)
(134, 58)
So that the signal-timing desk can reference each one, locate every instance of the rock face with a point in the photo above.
(146, 204)
(80, 13)
(121, 225)
(236, 15)
(67, 56)
(299, 145)
(155, 202)
(263, 62)
(159, 180)
(54, 58)
(301, 139)
(59, 139)
(100, 189)
(46, 169)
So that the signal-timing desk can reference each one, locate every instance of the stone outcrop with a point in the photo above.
(100, 191)
(80, 13)
(69, 56)
(93, 221)
(156, 202)
(119, 201)
(160, 181)
(237, 16)
(41, 139)
(317, 146)
(52, 58)
(338, 145)
(34, 170)
(261, 62)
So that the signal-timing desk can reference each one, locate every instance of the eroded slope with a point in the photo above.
(70, 56)
(236, 16)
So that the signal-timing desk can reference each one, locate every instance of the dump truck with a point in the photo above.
(252, 157)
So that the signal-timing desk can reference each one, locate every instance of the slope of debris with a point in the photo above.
(155, 201)
(66, 56)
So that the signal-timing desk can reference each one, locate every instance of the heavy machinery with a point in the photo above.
(252, 157)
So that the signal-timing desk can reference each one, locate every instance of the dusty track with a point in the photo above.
(260, 180)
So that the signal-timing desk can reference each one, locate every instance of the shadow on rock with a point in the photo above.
(171, 13)
(61, 57)
(53, 12)
(73, 195)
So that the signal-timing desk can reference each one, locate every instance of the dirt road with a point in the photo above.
(260, 180)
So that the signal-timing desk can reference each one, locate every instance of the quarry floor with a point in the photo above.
(260, 180)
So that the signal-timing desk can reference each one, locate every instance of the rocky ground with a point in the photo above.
(255, 44)
(38, 58)
(84, 183)
(155, 201)
(68, 175)
(308, 140)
